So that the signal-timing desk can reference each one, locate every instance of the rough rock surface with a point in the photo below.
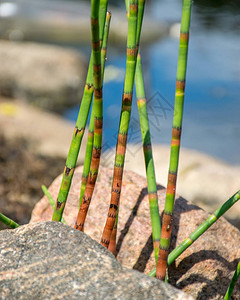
(204, 270)
(47, 76)
(53, 261)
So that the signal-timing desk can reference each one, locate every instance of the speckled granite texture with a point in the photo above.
(50, 260)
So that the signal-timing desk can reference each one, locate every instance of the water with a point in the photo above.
(211, 114)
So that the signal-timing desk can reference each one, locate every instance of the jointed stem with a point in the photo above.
(78, 132)
(233, 283)
(145, 132)
(8, 221)
(124, 122)
(200, 230)
(112, 243)
(98, 116)
(175, 143)
(50, 199)
(147, 150)
(89, 147)
(88, 156)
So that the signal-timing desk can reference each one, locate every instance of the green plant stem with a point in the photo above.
(175, 143)
(50, 199)
(124, 122)
(149, 163)
(78, 131)
(8, 221)
(89, 147)
(87, 159)
(200, 230)
(152, 187)
(233, 283)
(98, 117)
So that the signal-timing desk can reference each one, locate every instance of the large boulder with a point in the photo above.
(53, 261)
(48, 76)
(204, 270)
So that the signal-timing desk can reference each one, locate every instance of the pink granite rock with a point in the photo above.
(204, 270)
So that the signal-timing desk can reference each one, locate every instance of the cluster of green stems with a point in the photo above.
(100, 21)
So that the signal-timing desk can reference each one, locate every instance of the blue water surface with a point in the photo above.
(211, 113)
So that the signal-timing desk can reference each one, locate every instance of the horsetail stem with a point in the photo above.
(149, 164)
(98, 117)
(112, 243)
(5, 220)
(232, 283)
(89, 147)
(124, 122)
(88, 156)
(74, 147)
(148, 157)
(200, 230)
(50, 199)
(175, 143)
(78, 132)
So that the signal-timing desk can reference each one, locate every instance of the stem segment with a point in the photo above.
(50, 199)
(124, 122)
(8, 221)
(175, 143)
(78, 131)
(233, 283)
(89, 147)
(98, 116)
(149, 163)
(141, 5)
(200, 230)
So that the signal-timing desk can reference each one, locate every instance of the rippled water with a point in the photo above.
(211, 114)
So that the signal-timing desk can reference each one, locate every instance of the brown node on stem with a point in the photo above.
(98, 93)
(166, 226)
(127, 98)
(90, 134)
(176, 133)
(121, 149)
(96, 153)
(152, 196)
(180, 84)
(88, 86)
(96, 46)
(68, 171)
(133, 8)
(96, 68)
(98, 123)
(59, 204)
(161, 264)
(184, 36)
(131, 51)
(172, 179)
(122, 139)
(94, 21)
